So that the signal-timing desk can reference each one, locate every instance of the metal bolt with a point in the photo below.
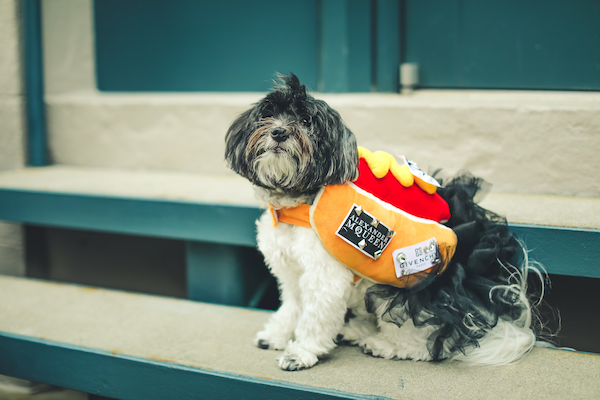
(401, 257)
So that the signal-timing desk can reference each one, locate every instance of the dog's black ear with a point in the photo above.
(335, 159)
(344, 158)
(235, 144)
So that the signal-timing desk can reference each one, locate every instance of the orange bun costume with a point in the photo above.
(384, 226)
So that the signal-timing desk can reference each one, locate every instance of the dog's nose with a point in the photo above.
(278, 135)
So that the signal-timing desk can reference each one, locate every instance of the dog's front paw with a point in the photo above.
(264, 341)
(296, 358)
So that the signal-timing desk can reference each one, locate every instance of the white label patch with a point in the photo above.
(416, 258)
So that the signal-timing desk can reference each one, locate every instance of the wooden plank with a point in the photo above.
(561, 232)
(34, 82)
(224, 274)
(562, 251)
(388, 45)
(181, 48)
(214, 223)
(504, 45)
(122, 376)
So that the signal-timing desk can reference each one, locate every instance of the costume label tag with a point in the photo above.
(364, 232)
(416, 258)
(416, 171)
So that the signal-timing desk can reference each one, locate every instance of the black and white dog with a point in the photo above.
(290, 146)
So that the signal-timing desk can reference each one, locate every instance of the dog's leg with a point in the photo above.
(274, 245)
(280, 328)
(358, 323)
(324, 288)
(314, 288)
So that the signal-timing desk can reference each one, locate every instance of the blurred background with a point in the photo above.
(345, 46)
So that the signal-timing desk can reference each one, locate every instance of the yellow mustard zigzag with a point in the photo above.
(380, 163)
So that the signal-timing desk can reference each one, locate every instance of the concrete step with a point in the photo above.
(563, 232)
(112, 182)
(126, 345)
(162, 204)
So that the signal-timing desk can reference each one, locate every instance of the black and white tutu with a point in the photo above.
(483, 282)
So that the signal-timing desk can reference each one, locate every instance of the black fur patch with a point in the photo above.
(349, 315)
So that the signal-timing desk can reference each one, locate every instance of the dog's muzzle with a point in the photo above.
(279, 135)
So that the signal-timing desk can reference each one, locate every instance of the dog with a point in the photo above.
(474, 307)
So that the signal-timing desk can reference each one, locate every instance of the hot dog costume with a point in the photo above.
(437, 256)
(384, 226)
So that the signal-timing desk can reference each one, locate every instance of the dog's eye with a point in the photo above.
(266, 113)
(305, 120)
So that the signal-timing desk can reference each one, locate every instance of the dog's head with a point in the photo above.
(291, 142)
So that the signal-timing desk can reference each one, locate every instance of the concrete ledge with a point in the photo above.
(10, 56)
(159, 185)
(558, 211)
(161, 204)
(211, 345)
(12, 132)
(522, 142)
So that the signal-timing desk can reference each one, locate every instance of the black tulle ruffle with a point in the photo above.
(460, 303)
